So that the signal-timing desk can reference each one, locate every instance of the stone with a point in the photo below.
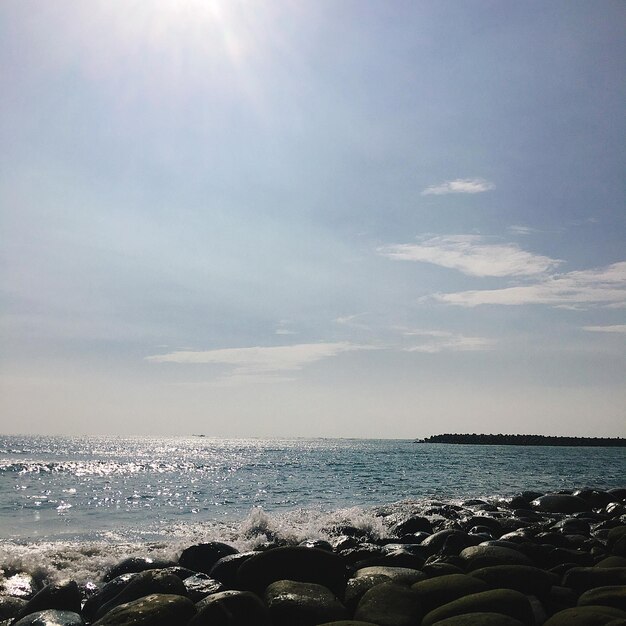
(306, 604)
(614, 596)
(441, 568)
(480, 619)
(615, 534)
(585, 616)
(436, 592)
(389, 604)
(411, 525)
(615, 509)
(415, 538)
(476, 557)
(299, 564)
(135, 564)
(400, 558)
(365, 552)
(552, 538)
(10, 606)
(344, 542)
(178, 571)
(154, 610)
(581, 579)
(560, 598)
(200, 586)
(63, 597)
(400, 575)
(612, 561)
(436, 541)
(203, 556)
(51, 617)
(347, 622)
(572, 526)
(504, 601)
(231, 608)
(523, 578)
(559, 503)
(358, 586)
(225, 570)
(595, 499)
(108, 592)
(563, 555)
(491, 523)
(144, 584)
(320, 544)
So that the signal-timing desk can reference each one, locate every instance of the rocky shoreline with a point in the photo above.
(557, 559)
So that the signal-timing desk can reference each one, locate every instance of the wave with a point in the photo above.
(85, 559)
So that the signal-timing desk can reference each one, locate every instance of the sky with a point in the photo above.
(312, 218)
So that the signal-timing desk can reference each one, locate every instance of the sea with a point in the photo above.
(72, 506)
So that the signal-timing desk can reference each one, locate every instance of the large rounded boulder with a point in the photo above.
(390, 604)
(559, 503)
(154, 610)
(305, 604)
(436, 592)
(51, 617)
(504, 601)
(203, 556)
(476, 557)
(307, 565)
(231, 608)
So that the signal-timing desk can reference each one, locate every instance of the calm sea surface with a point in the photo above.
(80, 491)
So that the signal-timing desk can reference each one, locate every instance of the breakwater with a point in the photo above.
(526, 440)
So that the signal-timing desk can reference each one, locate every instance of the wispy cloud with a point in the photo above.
(604, 286)
(433, 341)
(284, 328)
(259, 361)
(353, 321)
(616, 328)
(471, 255)
(518, 229)
(460, 185)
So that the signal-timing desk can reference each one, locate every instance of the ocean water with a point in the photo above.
(72, 505)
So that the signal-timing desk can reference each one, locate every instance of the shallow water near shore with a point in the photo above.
(79, 503)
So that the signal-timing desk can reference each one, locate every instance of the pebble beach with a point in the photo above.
(534, 558)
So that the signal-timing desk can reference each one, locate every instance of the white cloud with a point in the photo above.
(617, 328)
(352, 321)
(580, 289)
(258, 361)
(443, 341)
(460, 185)
(284, 328)
(471, 255)
(518, 229)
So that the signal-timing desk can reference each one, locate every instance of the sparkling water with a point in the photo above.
(98, 498)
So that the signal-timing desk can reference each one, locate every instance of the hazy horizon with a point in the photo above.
(312, 219)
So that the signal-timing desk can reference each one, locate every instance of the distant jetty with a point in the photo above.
(525, 440)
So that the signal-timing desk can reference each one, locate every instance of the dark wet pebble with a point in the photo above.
(136, 564)
(51, 617)
(203, 556)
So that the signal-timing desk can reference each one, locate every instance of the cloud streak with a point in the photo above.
(471, 255)
(604, 286)
(259, 361)
(460, 185)
(434, 341)
(617, 328)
